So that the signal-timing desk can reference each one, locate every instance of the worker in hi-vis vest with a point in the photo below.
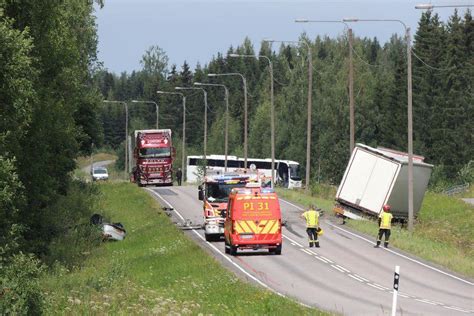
(385, 225)
(312, 225)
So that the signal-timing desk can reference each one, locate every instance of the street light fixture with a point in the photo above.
(429, 6)
(184, 127)
(126, 131)
(272, 109)
(409, 114)
(226, 116)
(310, 94)
(351, 78)
(245, 108)
(205, 122)
(156, 107)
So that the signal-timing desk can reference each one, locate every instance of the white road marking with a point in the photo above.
(424, 301)
(456, 309)
(309, 253)
(327, 259)
(314, 253)
(337, 268)
(356, 278)
(342, 268)
(361, 278)
(375, 286)
(293, 241)
(321, 259)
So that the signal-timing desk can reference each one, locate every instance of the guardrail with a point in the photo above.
(456, 189)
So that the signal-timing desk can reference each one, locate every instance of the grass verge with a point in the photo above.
(156, 270)
(443, 233)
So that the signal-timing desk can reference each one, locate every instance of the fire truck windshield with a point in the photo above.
(219, 192)
(155, 152)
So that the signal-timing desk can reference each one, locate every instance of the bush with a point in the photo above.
(72, 235)
(324, 191)
(19, 287)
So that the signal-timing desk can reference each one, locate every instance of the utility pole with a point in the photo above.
(351, 94)
(410, 134)
(310, 111)
(409, 112)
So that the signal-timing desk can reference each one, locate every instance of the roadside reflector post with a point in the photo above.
(396, 279)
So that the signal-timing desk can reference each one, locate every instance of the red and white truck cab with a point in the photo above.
(154, 156)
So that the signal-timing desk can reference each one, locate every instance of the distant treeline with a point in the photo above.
(443, 107)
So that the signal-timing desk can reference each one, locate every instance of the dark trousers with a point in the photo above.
(312, 236)
(382, 232)
(179, 180)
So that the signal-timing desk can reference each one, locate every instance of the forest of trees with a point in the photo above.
(52, 89)
(49, 115)
(443, 72)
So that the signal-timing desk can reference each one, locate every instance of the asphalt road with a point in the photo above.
(346, 275)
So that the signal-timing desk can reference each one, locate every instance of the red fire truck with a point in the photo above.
(214, 192)
(153, 155)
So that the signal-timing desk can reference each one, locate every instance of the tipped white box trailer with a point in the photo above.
(375, 177)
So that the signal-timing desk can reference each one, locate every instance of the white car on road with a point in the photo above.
(99, 173)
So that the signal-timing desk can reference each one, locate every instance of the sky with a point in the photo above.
(196, 30)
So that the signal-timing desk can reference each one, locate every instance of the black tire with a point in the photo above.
(209, 237)
(233, 250)
(277, 250)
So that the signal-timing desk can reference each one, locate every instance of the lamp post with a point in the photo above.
(205, 121)
(184, 127)
(351, 78)
(429, 6)
(245, 109)
(310, 94)
(226, 137)
(126, 130)
(409, 114)
(157, 108)
(272, 109)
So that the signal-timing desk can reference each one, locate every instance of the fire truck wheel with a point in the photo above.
(233, 250)
(276, 251)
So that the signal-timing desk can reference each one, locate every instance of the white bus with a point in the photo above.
(287, 172)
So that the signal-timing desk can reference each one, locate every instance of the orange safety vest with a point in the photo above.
(385, 220)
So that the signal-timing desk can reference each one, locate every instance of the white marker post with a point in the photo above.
(396, 279)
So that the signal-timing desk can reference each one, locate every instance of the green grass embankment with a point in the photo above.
(157, 269)
(443, 232)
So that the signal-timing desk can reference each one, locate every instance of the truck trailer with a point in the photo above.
(378, 176)
(153, 155)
